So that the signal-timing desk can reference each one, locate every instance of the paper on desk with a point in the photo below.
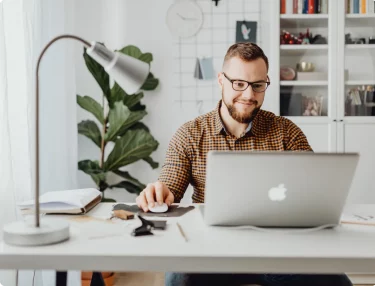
(358, 218)
(96, 228)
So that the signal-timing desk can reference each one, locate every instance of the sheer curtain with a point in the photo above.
(25, 27)
(16, 58)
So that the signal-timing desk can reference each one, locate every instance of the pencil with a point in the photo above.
(182, 232)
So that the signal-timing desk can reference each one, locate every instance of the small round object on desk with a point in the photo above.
(159, 208)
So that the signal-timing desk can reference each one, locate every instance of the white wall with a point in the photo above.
(141, 23)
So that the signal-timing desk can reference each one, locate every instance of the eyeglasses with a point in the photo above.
(241, 85)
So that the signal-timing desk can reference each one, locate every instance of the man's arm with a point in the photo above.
(297, 140)
(176, 170)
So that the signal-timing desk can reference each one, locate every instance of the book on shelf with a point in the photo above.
(77, 201)
(359, 6)
(304, 6)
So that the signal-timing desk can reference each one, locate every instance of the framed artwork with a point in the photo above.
(246, 31)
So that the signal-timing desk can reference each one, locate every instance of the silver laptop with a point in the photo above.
(277, 189)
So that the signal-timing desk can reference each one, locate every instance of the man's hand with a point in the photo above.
(154, 193)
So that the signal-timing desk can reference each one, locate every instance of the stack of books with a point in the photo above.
(359, 6)
(304, 6)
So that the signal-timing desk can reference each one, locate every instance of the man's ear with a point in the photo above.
(220, 80)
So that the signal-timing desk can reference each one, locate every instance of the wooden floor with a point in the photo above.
(151, 279)
(139, 278)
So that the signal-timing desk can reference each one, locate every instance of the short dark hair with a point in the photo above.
(245, 51)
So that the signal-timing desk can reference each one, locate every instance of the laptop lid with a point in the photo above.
(277, 189)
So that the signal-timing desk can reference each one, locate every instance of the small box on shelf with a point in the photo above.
(312, 76)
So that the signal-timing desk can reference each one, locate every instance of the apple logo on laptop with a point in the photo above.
(277, 193)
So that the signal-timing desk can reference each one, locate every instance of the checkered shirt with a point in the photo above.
(187, 151)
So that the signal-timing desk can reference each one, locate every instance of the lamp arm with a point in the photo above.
(87, 44)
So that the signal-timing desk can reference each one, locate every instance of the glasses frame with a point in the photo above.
(249, 83)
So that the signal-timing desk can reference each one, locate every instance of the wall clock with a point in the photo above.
(184, 18)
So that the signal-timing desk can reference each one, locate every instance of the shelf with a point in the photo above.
(302, 49)
(360, 16)
(360, 82)
(303, 20)
(360, 46)
(359, 119)
(303, 82)
(303, 16)
(310, 119)
(359, 20)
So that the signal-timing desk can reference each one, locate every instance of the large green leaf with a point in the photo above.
(151, 82)
(139, 125)
(117, 117)
(138, 107)
(117, 94)
(133, 99)
(93, 169)
(132, 51)
(98, 72)
(108, 200)
(134, 117)
(90, 130)
(152, 163)
(91, 106)
(129, 178)
(147, 58)
(133, 146)
(130, 187)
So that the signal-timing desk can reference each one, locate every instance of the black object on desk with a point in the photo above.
(173, 210)
(147, 226)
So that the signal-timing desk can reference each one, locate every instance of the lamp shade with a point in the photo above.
(130, 73)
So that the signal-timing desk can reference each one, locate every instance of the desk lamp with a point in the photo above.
(130, 74)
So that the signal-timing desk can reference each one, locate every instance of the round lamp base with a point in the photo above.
(25, 233)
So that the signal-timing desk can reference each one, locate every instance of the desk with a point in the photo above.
(348, 248)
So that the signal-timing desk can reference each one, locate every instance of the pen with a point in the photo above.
(182, 232)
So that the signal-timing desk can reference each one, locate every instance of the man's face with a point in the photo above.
(243, 105)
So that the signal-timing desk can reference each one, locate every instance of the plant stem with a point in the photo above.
(103, 145)
(102, 149)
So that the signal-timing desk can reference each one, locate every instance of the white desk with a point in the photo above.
(348, 248)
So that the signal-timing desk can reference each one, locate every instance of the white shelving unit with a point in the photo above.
(303, 83)
(304, 16)
(360, 82)
(360, 16)
(360, 46)
(343, 126)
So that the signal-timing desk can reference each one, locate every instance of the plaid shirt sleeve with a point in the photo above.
(176, 170)
(296, 139)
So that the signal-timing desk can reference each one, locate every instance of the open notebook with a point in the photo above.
(64, 202)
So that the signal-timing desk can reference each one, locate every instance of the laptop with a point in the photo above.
(277, 189)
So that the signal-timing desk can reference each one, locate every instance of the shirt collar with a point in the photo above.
(219, 126)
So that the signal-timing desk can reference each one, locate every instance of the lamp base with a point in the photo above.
(25, 233)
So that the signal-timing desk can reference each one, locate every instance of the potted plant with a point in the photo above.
(121, 136)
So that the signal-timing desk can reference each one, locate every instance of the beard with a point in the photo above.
(239, 116)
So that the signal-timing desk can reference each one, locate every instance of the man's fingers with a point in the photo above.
(150, 195)
(159, 190)
(169, 199)
(142, 202)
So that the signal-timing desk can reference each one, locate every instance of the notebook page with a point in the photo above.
(77, 198)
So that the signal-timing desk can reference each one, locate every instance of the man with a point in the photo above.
(237, 123)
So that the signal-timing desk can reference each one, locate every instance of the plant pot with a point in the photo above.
(108, 277)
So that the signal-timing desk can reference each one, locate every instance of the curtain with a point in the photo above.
(16, 56)
(25, 27)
